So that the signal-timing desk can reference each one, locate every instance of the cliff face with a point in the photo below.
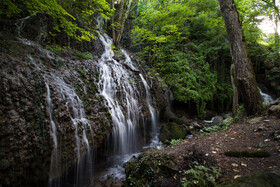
(51, 107)
(39, 88)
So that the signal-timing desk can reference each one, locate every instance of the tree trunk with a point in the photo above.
(235, 90)
(246, 80)
(122, 18)
(113, 20)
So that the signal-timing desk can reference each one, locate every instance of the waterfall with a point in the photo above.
(84, 166)
(83, 169)
(266, 98)
(155, 140)
(118, 88)
(78, 113)
(55, 160)
(119, 84)
(20, 24)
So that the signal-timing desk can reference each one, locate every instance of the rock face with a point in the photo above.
(50, 102)
(28, 73)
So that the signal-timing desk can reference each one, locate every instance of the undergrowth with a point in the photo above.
(200, 175)
(173, 142)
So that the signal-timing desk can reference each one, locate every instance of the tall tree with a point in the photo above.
(118, 25)
(246, 80)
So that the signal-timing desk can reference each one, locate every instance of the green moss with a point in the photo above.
(85, 55)
(148, 168)
(97, 76)
(257, 154)
(82, 72)
(55, 49)
(109, 117)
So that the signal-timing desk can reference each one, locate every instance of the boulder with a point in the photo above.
(171, 131)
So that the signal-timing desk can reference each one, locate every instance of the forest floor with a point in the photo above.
(260, 133)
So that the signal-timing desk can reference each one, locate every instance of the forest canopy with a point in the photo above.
(67, 15)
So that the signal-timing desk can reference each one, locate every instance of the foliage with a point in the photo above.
(174, 142)
(183, 41)
(119, 17)
(63, 20)
(190, 79)
(201, 176)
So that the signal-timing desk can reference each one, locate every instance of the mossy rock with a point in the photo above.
(172, 131)
(150, 168)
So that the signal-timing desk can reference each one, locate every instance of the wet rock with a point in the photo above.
(217, 120)
(196, 125)
(132, 159)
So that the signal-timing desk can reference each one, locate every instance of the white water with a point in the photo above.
(55, 160)
(20, 24)
(84, 166)
(155, 140)
(118, 88)
(78, 113)
(209, 121)
(266, 98)
(117, 84)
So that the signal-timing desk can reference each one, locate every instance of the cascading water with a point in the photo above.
(84, 165)
(155, 140)
(118, 85)
(55, 160)
(266, 98)
(118, 89)
(83, 169)
(20, 24)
